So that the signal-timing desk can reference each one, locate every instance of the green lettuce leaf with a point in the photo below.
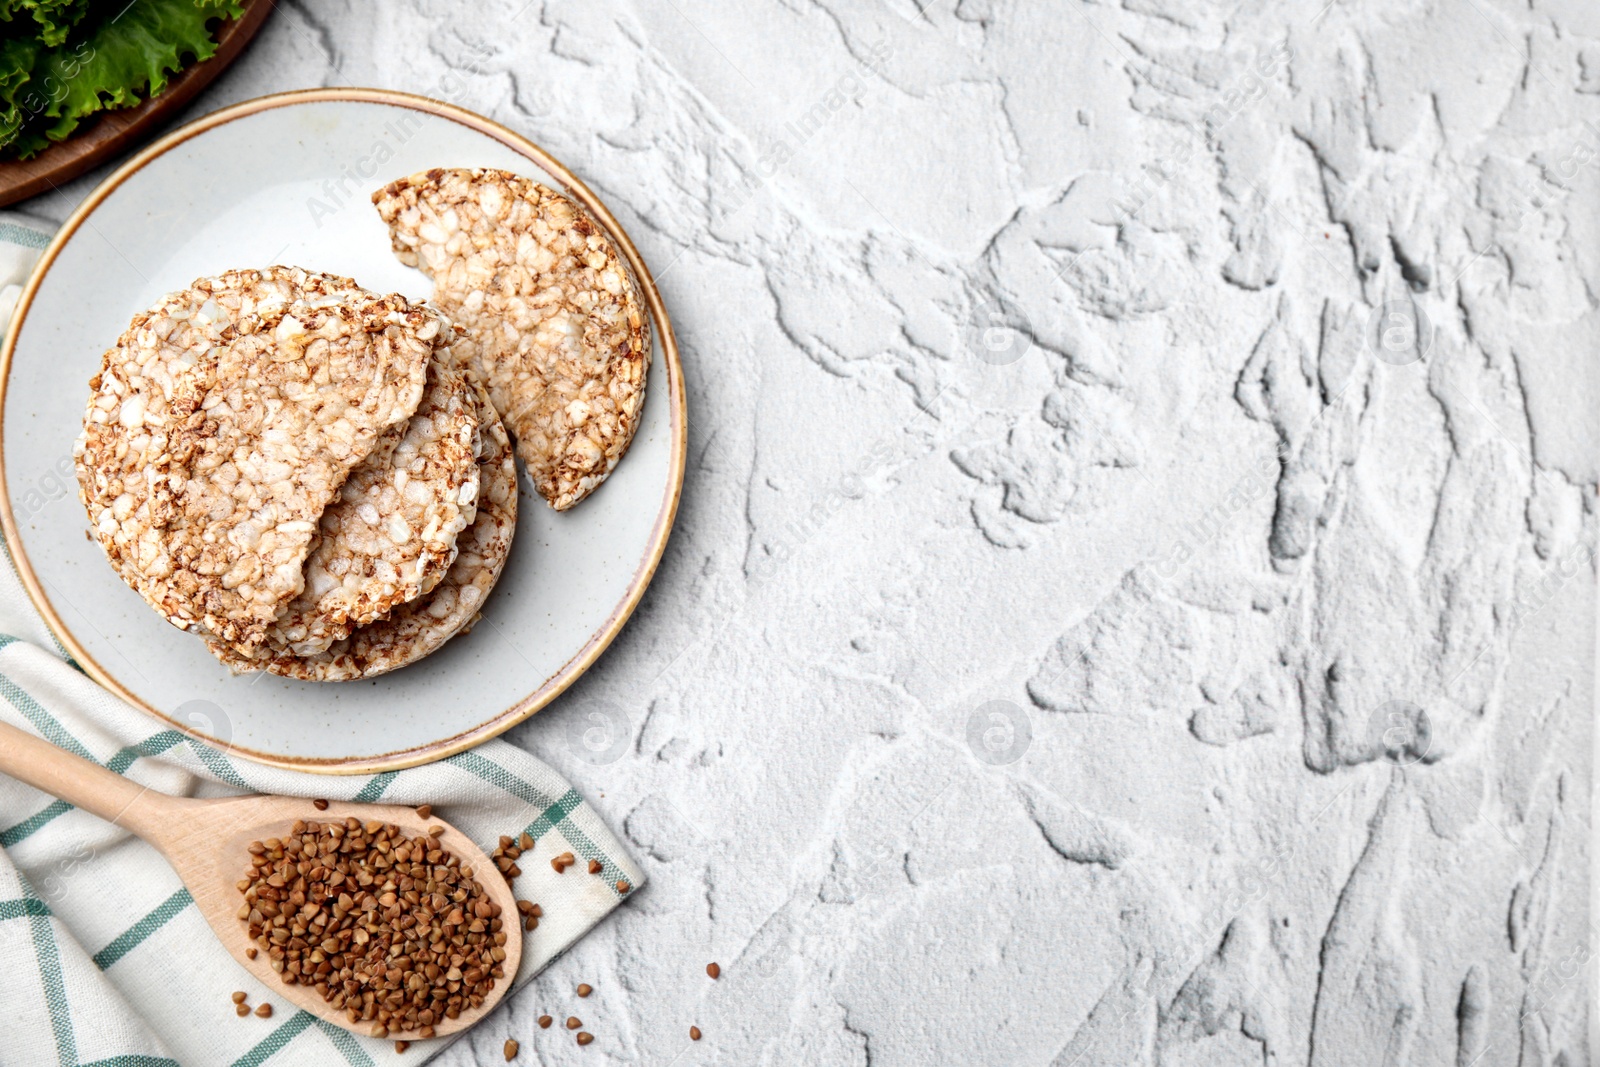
(123, 53)
(17, 60)
(48, 21)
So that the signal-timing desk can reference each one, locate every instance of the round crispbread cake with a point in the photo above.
(224, 422)
(419, 627)
(546, 312)
(391, 535)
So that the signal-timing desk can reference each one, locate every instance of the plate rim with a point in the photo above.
(596, 643)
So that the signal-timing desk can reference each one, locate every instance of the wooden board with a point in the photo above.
(115, 131)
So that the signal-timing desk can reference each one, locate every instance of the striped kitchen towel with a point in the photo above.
(104, 959)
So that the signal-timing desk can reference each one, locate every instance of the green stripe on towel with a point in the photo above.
(51, 730)
(13, 234)
(217, 763)
(12, 834)
(16, 909)
(134, 936)
(48, 954)
(275, 1041)
(153, 745)
(375, 787)
(495, 774)
(345, 1042)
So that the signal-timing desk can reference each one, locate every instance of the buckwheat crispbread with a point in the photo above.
(546, 311)
(391, 534)
(417, 628)
(226, 419)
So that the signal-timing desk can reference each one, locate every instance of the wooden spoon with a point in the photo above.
(206, 842)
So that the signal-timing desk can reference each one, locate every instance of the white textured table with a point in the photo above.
(1133, 599)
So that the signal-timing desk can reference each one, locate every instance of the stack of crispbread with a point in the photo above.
(318, 480)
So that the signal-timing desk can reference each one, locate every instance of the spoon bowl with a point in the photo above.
(207, 843)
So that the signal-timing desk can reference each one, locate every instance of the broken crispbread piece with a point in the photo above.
(547, 313)
(415, 629)
(391, 534)
(224, 421)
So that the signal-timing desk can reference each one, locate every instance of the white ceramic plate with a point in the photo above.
(287, 179)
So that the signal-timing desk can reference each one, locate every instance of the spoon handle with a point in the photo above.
(85, 785)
